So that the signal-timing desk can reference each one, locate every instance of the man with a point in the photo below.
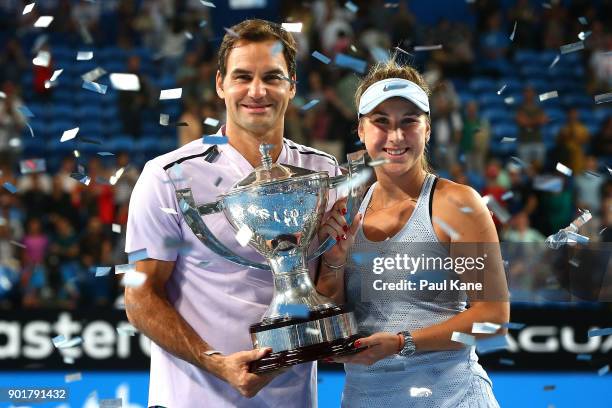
(530, 118)
(193, 301)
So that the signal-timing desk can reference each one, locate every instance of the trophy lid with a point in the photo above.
(269, 171)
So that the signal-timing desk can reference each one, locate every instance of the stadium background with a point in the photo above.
(496, 57)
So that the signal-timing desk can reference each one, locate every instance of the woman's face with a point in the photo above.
(395, 130)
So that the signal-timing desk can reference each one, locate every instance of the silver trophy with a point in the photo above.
(280, 207)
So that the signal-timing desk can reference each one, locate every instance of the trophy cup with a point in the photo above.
(281, 207)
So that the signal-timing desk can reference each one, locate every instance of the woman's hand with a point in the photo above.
(335, 226)
(379, 345)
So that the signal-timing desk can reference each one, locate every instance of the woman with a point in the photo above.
(408, 351)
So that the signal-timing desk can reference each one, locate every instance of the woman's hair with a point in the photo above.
(391, 69)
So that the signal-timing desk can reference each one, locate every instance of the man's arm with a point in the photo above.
(149, 310)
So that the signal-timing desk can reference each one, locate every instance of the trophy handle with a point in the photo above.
(356, 163)
(204, 234)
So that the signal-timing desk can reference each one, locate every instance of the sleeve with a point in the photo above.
(148, 225)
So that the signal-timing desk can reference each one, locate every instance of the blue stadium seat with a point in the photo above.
(507, 129)
(89, 112)
(490, 101)
(121, 143)
(496, 115)
(525, 57)
(577, 101)
(602, 114)
(482, 84)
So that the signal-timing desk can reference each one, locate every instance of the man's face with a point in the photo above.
(255, 93)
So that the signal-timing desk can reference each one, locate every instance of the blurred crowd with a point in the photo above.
(55, 230)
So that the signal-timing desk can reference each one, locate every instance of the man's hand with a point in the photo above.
(234, 369)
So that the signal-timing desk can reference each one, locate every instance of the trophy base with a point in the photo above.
(275, 361)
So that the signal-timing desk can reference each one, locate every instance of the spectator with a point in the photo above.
(588, 190)
(601, 66)
(474, 143)
(530, 119)
(96, 250)
(35, 197)
(571, 142)
(133, 103)
(12, 62)
(191, 116)
(493, 45)
(520, 230)
(601, 145)
(42, 74)
(63, 262)
(11, 123)
(523, 198)
(34, 277)
(446, 124)
(527, 27)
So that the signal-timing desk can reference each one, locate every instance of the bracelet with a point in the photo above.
(400, 342)
(330, 266)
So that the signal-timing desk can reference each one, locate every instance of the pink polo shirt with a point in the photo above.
(219, 299)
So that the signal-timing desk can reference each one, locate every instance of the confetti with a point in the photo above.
(502, 89)
(207, 4)
(56, 74)
(391, 87)
(506, 361)
(577, 46)
(563, 169)
(277, 48)
(321, 57)
(27, 8)
(94, 74)
(218, 181)
(116, 228)
(211, 122)
(243, 236)
(125, 82)
(188, 35)
(11, 188)
(352, 7)
(602, 230)
(215, 140)
(378, 162)
(168, 210)
(603, 370)
(164, 119)
(507, 195)
(491, 344)
(84, 55)
(403, 51)
(313, 332)
(466, 339)
(506, 139)
(485, 328)
(73, 377)
(591, 173)
(603, 98)
(68, 360)
(203, 23)
(417, 392)
(600, 332)
(292, 27)
(231, 32)
(69, 134)
(584, 357)
(427, 47)
(133, 279)
(513, 325)
(102, 270)
(73, 342)
(583, 20)
(183, 247)
(174, 93)
(557, 58)
(25, 111)
(126, 329)
(509, 100)
(124, 268)
(309, 105)
(454, 235)
(57, 340)
(110, 403)
(548, 95)
(104, 154)
(43, 21)
(42, 59)
(500, 212)
(19, 244)
(584, 34)
(294, 310)
(138, 255)
(548, 183)
(513, 32)
(466, 210)
(95, 87)
(391, 5)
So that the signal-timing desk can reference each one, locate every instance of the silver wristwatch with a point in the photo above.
(409, 347)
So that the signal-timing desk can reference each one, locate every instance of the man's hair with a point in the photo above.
(391, 69)
(257, 30)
